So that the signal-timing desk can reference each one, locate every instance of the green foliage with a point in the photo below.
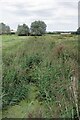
(23, 30)
(38, 28)
(4, 29)
(45, 62)
(78, 30)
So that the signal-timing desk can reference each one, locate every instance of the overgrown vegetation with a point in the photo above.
(49, 63)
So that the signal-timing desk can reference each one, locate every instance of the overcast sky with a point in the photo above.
(57, 14)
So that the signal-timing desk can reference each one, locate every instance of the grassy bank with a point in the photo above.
(48, 64)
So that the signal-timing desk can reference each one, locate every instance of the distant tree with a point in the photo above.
(78, 30)
(7, 30)
(38, 28)
(23, 30)
(4, 29)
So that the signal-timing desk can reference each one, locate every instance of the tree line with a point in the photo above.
(37, 28)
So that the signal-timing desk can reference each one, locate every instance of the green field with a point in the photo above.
(40, 76)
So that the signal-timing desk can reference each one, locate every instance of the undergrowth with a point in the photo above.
(48, 62)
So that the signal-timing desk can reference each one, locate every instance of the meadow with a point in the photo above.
(40, 76)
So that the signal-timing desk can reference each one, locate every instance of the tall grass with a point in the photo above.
(48, 62)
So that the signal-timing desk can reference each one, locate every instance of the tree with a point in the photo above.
(78, 30)
(23, 30)
(7, 30)
(4, 29)
(38, 28)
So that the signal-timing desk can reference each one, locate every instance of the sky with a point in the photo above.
(59, 15)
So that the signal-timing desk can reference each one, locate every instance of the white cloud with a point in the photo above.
(58, 14)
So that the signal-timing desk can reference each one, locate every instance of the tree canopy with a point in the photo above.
(4, 29)
(78, 30)
(23, 30)
(38, 28)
